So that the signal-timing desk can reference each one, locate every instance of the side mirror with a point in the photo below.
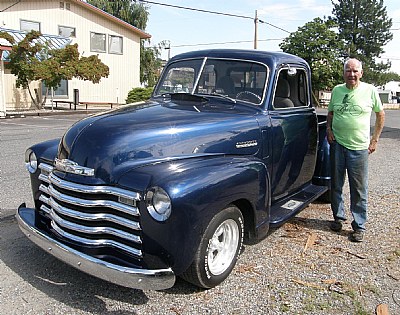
(292, 72)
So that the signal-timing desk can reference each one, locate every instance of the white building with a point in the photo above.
(390, 92)
(96, 32)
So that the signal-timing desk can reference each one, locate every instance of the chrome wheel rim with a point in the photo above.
(222, 247)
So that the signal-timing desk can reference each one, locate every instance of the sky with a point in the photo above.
(188, 30)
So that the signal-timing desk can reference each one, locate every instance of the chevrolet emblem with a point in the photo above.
(72, 167)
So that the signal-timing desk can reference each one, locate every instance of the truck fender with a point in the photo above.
(199, 189)
(45, 152)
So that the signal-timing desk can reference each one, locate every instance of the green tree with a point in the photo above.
(33, 61)
(136, 14)
(364, 27)
(317, 43)
(381, 78)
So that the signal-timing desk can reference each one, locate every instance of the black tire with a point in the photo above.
(219, 249)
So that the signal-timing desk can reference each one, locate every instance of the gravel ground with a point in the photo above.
(300, 268)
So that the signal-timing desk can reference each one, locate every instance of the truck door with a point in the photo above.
(294, 132)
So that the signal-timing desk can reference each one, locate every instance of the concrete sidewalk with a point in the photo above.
(63, 110)
(49, 112)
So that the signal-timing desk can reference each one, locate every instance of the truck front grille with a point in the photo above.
(94, 216)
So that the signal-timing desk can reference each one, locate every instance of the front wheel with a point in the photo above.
(218, 250)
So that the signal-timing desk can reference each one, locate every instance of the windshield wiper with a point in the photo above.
(224, 96)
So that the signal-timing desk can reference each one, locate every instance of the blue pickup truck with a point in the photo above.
(228, 146)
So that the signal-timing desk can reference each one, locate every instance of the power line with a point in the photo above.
(198, 10)
(223, 43)
(261, 21)
(213, 12)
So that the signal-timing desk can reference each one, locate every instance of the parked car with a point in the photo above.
(142, 194)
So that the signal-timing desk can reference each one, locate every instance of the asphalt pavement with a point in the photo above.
(274, 276)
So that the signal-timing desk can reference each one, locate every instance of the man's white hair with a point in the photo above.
(354, 60)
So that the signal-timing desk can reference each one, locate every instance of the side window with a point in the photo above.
(303, 89)
(291, 89)
(97, 42)
(283, 97)
(29, 26)
(60, 92)
(66, 31)
(115, 44)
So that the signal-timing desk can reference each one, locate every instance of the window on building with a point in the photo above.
(97, 42)
(115, 45)
(29, 26)
(60, 92)
(61, 5)
(66, 31)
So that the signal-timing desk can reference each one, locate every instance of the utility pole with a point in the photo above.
(255, 30)
(169, 49)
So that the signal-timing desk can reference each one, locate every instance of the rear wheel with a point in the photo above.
(218, 250)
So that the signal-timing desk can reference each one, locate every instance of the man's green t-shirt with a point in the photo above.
(352, 113)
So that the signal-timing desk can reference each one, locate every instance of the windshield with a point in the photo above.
(235, 79)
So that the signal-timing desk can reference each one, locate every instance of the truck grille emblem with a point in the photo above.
(72, 167)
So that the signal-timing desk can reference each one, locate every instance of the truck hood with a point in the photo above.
(115, 142)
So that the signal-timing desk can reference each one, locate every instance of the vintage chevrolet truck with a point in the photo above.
(228, 145)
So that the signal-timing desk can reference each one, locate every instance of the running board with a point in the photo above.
(293, 204)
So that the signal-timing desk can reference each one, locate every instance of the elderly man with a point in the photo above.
(348, 130)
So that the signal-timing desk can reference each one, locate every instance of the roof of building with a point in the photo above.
(142, 34)
(106, 15)
(53, 41)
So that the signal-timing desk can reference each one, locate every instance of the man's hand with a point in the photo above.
(330, 136)
(379, 121)
(372, 146)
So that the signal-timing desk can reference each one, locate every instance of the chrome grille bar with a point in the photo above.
(46, 168)
(71, 206)
(92, 189)
(44, 178)
(99, 242)
(93, 230)
(91, 203)
(89, 216)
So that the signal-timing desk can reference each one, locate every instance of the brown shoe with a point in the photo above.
(357, 236)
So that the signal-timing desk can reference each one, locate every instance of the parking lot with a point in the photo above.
(278, 275)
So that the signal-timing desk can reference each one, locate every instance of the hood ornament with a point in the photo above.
(68, 166)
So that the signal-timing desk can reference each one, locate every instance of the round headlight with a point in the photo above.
(31, 161)
(158, 204)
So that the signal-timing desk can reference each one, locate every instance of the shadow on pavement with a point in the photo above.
(63, 282)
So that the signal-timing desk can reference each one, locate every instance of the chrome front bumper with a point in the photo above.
(128, 277)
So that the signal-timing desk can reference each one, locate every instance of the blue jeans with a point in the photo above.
(355, 162)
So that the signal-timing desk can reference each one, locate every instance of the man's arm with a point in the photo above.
(329, 132)
(379, 122)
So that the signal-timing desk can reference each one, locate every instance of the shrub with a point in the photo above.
(139, 94)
